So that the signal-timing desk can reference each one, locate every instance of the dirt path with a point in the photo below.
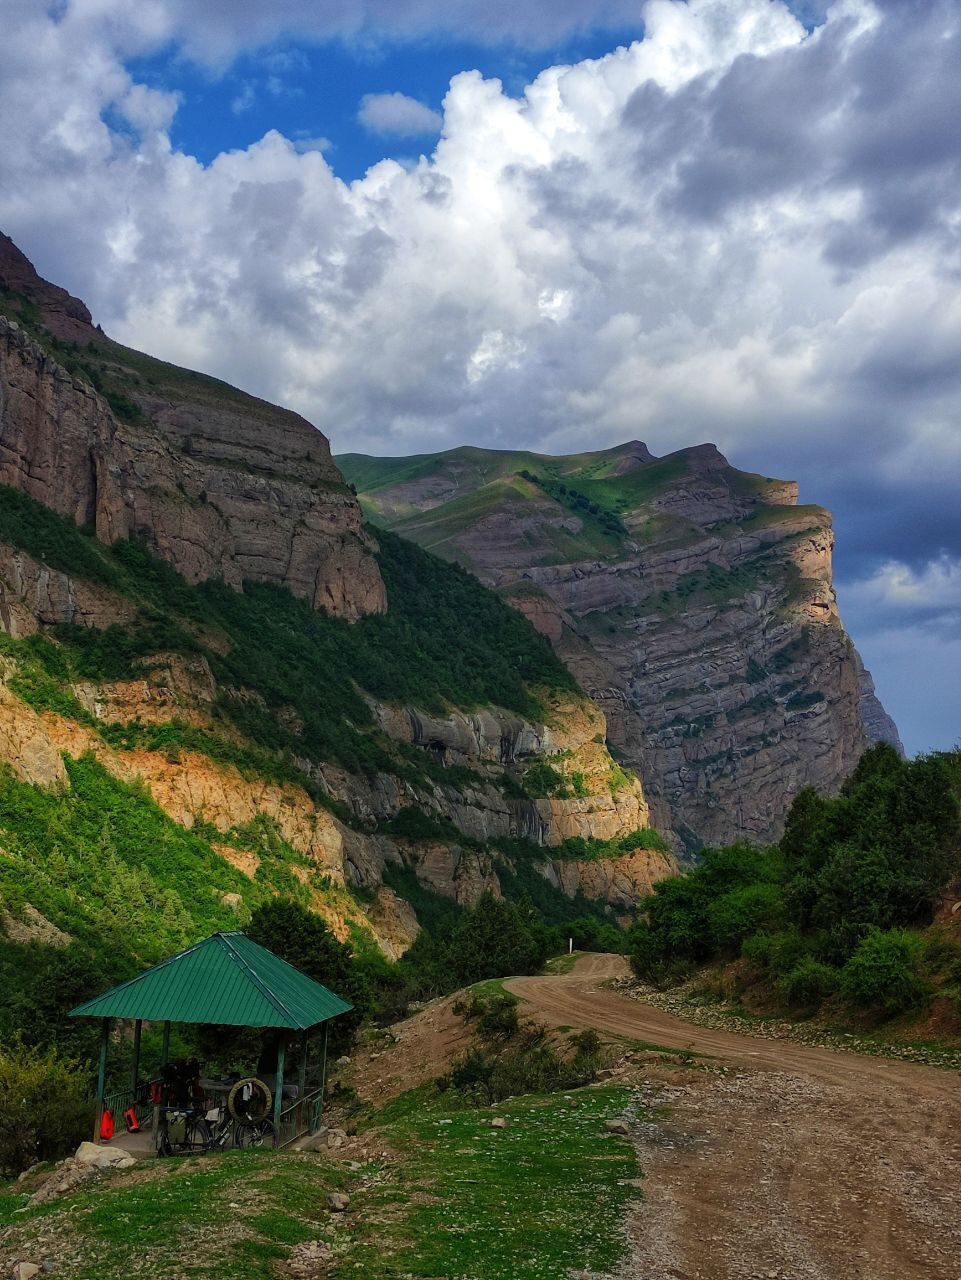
(797, 1163)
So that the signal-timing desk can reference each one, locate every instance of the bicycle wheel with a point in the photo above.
(163, 1144)
(262, 1134)
(197, 1136)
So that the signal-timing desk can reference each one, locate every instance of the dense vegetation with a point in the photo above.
(118, 885)
(836, 906)
(444, 640)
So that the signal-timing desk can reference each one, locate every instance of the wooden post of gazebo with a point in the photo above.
(101, 1076)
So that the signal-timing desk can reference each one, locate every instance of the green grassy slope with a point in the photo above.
(609, 492)
(447, 1204)
(477, 466)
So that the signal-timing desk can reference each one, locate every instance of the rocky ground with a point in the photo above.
(773, 1160)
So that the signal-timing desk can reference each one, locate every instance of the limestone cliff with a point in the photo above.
(357, 807)
(219, 483)
(692, 601)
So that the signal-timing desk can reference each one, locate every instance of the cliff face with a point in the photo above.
(218, 483)
(693, 602)
(361, 809)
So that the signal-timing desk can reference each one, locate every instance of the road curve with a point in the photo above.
(577, 999)
(794, 1163)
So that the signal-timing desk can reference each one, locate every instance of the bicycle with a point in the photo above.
(241, 1121)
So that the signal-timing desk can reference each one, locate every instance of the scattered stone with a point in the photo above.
(333, 1139)
(308, 1260)
(617, 1126)
(62, 1179)
(499, 1122)
(343, 1061)
(25, 1270)
(337, 1202)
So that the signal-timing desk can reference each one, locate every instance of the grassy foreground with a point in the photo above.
(455, 1198)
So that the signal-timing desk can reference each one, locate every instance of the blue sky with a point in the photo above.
(311, 91)
(744, 227)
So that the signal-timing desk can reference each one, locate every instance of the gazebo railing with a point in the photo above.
(120, 1101)
(301, 1117)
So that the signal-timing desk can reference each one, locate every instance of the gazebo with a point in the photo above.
(228, 980)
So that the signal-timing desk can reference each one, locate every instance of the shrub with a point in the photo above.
(941, 954)
(46, 1107)
(808, 983)
(777, 952)
(528, 1064)
(542, 780)
(496, 1013)
(882, 973)
(735, 915)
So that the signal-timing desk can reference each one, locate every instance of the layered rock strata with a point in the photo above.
(693, 602)
(216, 482)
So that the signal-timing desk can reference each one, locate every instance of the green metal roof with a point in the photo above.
(226, 978)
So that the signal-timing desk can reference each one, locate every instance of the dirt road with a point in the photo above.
(798, 1163)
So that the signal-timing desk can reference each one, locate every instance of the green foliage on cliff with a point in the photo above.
(832, 906)
(444, 640)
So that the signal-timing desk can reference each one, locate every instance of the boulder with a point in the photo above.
(617, 1126)
(98, 1157)
(499, 1122)
(337, 1202)
(25, 1270)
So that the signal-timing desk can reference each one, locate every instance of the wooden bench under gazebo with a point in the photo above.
(226, 980)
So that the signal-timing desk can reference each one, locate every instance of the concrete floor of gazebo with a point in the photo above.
(141, 1145)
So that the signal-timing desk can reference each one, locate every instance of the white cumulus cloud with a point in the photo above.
(397, 115)
(732, 229)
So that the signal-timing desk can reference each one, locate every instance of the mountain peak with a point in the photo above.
(65, 316)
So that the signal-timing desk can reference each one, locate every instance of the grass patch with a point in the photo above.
(533, 1201)
(467, 1183)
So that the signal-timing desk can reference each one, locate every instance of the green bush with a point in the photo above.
(46, 1107)
(734, 916)
(882, 974)
(808, 983)
(529, 1063)
(941, 955)
(494, 1012)
(542, 780)
(777, 952)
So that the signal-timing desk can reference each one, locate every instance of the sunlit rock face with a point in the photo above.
(217, 482)
(692, 601)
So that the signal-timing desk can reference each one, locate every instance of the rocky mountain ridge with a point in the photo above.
(694, 602)
(217, 483)
(285, 750)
